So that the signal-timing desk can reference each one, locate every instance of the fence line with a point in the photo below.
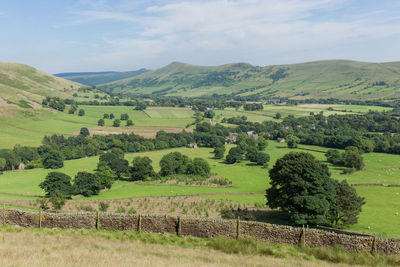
(203, 227)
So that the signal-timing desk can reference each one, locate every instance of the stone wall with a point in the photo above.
(203, 228)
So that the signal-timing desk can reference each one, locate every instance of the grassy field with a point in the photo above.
(269, 111)
(27, 127)
(245, 178)
(63, 247)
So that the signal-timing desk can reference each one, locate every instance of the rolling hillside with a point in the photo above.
(95, 78)
(24, 86)
(322, 79)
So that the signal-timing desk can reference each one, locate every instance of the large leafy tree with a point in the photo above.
(292, 141)
(141, 168)
(219, 151)
(347, 204)
(174, 163)
(84, 131)
(3, 164)
(302, 186)
(106, 176)
(235, 154)
(57, 181)
(52, 160)
(86, 184)
(352, 159)
(200, 167)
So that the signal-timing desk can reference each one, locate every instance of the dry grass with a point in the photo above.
(173, 205)
(33, 247)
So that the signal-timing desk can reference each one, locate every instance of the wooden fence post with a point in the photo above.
(40, 218)
(178, 230)
(4, 214)
(237, 227)
(373, 248)
(302, 241)
(97, 219)
(139, 227)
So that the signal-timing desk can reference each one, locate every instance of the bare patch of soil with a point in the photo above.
(31, 103)
(149, 132)
(4, 103)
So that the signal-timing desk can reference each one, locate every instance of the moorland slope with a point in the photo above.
(340, 79)
(24, 86)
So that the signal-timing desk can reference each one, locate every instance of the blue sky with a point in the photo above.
(98, 35)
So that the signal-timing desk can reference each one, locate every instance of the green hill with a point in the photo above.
(26, 86)
(95, 78)
(321, 79)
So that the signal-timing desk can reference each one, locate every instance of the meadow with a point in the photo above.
(66, 247)
(246, 189)
(28, 126)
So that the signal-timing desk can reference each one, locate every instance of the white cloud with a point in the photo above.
(216, 32)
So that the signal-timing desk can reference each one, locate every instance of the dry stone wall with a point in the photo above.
(203, 228)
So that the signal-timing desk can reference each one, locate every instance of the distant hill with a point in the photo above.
(96, 78)
(341, 79)
(23, 85)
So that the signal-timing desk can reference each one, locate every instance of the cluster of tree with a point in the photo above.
(84, 183)
(209, 114)
(393, 103)
(171, 164)
(54, 103)
(116, 122)
(235, 120)
(350, 158)
(335, 131)
(253, 106)
(250, 149)
(177, 163)
(84, 145)
(124, 117)
(108, 116)
(30, 157)
(302, 187)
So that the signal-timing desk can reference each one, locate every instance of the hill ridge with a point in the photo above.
(21, 84)
(343, 79)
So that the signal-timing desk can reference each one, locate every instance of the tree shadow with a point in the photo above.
(251, 164)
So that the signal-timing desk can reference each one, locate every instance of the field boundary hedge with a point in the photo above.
(203, 227)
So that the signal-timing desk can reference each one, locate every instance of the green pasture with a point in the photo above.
(378, 214)
(270, 110)
(381, 213)
(29, 127)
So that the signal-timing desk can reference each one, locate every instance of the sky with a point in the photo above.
(121, 35)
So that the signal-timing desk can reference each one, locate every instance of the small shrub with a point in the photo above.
(103, 206)
(121, 209)
(44, 204)
(220, 181)
(57, 200)
(131, 211)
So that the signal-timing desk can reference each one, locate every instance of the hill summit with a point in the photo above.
(342, 79)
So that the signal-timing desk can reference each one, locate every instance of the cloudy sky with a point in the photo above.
(98, 35)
